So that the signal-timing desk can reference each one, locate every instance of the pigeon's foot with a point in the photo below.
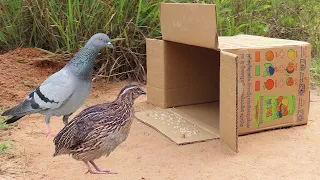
(99, 171)
(48, 133)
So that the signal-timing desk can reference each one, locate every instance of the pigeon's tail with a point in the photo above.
(13, 119)
(25, 108)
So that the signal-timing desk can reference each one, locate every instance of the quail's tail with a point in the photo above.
(55, 154)
(60, 152)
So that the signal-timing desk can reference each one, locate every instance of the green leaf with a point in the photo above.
(2, 37)
(226, 10)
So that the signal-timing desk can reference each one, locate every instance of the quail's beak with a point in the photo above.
(110, 45)
(143, 92)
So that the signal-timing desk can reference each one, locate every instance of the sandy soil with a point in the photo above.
(291, 153)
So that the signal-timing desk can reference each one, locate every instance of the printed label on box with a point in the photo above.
(269, 108)
(274, 87)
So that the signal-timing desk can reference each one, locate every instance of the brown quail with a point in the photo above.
(98, 130)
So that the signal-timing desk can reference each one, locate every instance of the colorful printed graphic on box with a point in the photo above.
(269, 84)
(274, 83)
(280, 54)
(269, 55)
(289, 81)
(290, 68)
(270, 108)
(291, 54)
(269, 70)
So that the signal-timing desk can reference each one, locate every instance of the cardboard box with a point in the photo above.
(208, 87)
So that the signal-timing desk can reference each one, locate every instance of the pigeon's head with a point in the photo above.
(100, 41)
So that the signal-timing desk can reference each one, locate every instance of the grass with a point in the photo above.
(3, 126)
(315, 72)
(64, 26)
(6, 147)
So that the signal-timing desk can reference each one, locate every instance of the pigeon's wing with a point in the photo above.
(51, 94)
(55, 91)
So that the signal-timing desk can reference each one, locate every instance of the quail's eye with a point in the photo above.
(100, 39)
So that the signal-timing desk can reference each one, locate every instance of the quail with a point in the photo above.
(98, 130)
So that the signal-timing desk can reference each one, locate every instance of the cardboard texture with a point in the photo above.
(274, 78)
(205, 89)
(176, 69)
(181, 22)
(179, 126)
(228, 100)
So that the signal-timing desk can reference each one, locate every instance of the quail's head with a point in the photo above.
(133, 91)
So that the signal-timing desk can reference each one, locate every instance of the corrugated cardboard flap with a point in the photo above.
(156, 75)
(181, 125)
(228, 108)
(189, 23)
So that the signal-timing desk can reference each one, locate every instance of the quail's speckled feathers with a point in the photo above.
(99, 129)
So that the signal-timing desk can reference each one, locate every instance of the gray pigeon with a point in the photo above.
(64, 91)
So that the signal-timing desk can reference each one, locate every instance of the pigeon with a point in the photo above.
(99, 129)
(62, 93)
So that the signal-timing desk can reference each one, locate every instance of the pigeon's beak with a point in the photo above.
(110, 45)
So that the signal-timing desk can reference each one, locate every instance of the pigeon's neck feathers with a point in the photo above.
(83, 62)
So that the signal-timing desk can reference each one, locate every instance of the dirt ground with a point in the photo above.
(291, 153)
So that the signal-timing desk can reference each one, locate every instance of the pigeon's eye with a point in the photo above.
(100, 39)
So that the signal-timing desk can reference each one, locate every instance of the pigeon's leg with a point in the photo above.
(48, 133)
(101, 171)
(65, 118)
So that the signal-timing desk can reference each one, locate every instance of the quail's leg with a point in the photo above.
(99, 170)
(94, 172)
(48, 133)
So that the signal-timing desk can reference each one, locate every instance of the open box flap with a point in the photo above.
(189, 23)
(228, 108)
(156, 77)
(180, 125)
